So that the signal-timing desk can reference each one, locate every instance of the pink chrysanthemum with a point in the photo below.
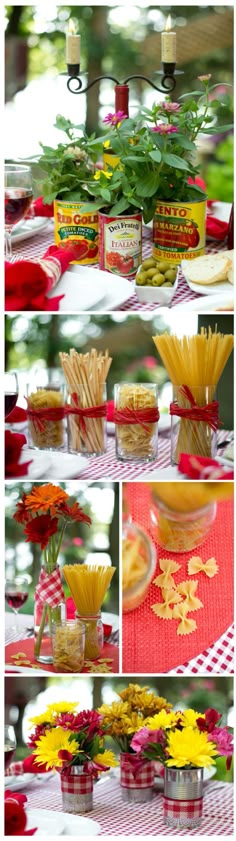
(170, 107)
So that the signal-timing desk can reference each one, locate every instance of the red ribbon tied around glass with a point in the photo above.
(41, 416)
(208, 414)
(137, 416)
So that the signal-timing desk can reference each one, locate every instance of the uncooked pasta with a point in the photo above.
(86, 376)
(88, 586)
(196, 362)
(138, 439)
(46, 434)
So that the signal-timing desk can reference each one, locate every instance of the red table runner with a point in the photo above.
(151, 644)
(107, 662)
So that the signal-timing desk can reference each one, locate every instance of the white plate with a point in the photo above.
(60, 823)
(18, 781)
(222, 288)
(209, 303)
(28, 228)
(161, 473)
(115, 289)
(53, 465)
(81, 293)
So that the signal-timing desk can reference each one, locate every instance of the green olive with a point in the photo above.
(163, 267)
(151, 272)
(158, 279)
(170, 275)
(150, 263)
(167, 283)
(141, 278)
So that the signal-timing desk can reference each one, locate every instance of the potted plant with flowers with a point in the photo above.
(67, 170)
(72, 743)
(185, 743)
(122, 720)
(157, 169)
(45, 512)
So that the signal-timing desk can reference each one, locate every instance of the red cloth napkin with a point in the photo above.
(41, 209)
(25, 766)
(15, 815)
(28, 281)
(18, 415)
(14, 442)
(215, 228)
(199, 467)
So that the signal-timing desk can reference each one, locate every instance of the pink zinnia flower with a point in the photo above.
(144, 737)
(113, 119)
(163, 128)
(170, 107)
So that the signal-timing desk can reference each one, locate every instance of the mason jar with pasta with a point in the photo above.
(138, 565)
(45, 413)
(136, 421)
(68, 643)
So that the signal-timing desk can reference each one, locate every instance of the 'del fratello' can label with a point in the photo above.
(120, 243)
(179, 230)
(73, 223)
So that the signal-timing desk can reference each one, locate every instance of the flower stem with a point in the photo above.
(38, 641)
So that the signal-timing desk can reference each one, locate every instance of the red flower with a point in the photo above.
(22, 515)
(87, 721)
(40, 729)
(209, 722)
(65, 755)
(40, 529)
(15, 818)
(13, 446)
(74, 512)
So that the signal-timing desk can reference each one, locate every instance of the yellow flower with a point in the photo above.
(106, 144)
(140, 699)
(49, 745)
(190, 747)
(133, 722)
(63, 707)
(106, 758)
(163, 720)
(116, 710)
(43, 718)
(189, 718)
(100, 172)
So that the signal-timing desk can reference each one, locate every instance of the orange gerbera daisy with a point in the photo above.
(45, 498)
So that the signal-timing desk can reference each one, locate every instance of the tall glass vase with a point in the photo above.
(49, 608)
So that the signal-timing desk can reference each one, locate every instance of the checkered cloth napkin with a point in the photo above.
(49, 588)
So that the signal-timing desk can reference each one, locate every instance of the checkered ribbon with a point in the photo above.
(77, 783)
(136, 773)
(191, 809)
(49, 588)
(15, 769)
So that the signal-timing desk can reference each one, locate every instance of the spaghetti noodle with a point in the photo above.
(88, 586)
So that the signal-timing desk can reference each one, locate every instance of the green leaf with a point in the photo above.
(147, 185)
(185, 142)
(175, 162)
(106, 194)
(155, 155)
(135, 158)
(120, 206)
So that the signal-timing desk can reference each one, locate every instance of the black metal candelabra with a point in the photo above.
(168, 82)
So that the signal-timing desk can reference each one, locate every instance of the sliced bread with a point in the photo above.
(210, 268)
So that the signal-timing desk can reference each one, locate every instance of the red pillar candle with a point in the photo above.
(122, 99)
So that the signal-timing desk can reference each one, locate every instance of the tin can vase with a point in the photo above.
(120, 243)
(136, 779)
(194, 422)
(183, 797)
(179, 230)
(74, 224)
(77, 790)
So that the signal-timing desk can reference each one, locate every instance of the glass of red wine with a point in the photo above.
(16, 594)
(9, 745)
(11, 391)
(18, 198)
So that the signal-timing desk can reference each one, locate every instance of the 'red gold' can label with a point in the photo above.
(179, 230)
(75, 224)
(120, 243)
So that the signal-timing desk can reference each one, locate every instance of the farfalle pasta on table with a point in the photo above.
(186, 625)
(163, 609)
(210, 567)
(188, 589)
(165, 580)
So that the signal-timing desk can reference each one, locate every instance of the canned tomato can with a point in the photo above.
(110, 160)
(179, 230)
(75, 224)
(120, 243)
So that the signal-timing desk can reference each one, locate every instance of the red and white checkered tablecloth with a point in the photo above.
(120, 819)
(109, 467)
(37, 246)
(218, 658)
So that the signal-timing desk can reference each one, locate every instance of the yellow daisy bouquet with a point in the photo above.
(186, 739)
(124, 718)
(64, 737)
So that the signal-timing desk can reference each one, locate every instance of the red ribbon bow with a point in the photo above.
(137, 416)
(208, 413)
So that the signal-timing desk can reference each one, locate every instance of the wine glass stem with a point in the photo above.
(8, 245)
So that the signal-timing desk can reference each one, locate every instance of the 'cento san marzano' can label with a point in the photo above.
(179, 230)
